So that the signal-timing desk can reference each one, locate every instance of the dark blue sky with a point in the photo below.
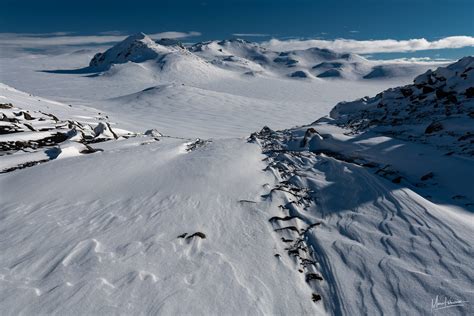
(398, 19)
(282, 19)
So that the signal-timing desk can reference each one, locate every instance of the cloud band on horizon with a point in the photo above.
(338, 45)
(372, 46)
(63, 38)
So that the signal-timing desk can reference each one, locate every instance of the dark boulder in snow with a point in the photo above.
(299, 74)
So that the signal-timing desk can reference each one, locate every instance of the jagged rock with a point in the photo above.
(434, 127)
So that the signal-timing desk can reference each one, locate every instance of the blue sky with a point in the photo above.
(361, 20)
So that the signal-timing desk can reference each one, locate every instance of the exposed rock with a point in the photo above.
(316, 297)
(427, 176)
(434, 127)
(313, 276)
(153, 133)
(197, 234)
(103, 131)
(6, 105)
(299, 74)
(331, 73)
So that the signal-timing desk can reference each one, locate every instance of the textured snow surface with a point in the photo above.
(388, 242)
(187, 215)
(105, 239)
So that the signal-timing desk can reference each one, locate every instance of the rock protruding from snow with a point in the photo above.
(135, 48)
(437, 108)
(104, 132)
(153, 133)
(32, 136)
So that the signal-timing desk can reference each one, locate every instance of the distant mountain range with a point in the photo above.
(251, 59)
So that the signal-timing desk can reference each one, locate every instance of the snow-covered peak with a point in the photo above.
(136, 37)
(457, 76)
(250, 58)
(137, 48)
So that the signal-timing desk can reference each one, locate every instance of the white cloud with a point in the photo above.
(60, 38)
(33, 40)
(372, 46)
(173, 34)
(13, 44)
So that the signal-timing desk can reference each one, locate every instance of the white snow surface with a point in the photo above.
(334, 217)
(216, 89)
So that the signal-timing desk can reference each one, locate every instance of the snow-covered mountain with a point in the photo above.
(135, 48)
(250, 59)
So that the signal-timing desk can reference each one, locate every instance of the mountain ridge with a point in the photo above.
(250, 58)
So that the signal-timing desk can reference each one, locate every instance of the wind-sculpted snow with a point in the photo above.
(145, 228)
(369, 233)
(381, 224)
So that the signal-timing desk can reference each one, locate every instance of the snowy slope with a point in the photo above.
(147, 225)
(437, 108)
(384, 221)
(379, 246)
(34, 130)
